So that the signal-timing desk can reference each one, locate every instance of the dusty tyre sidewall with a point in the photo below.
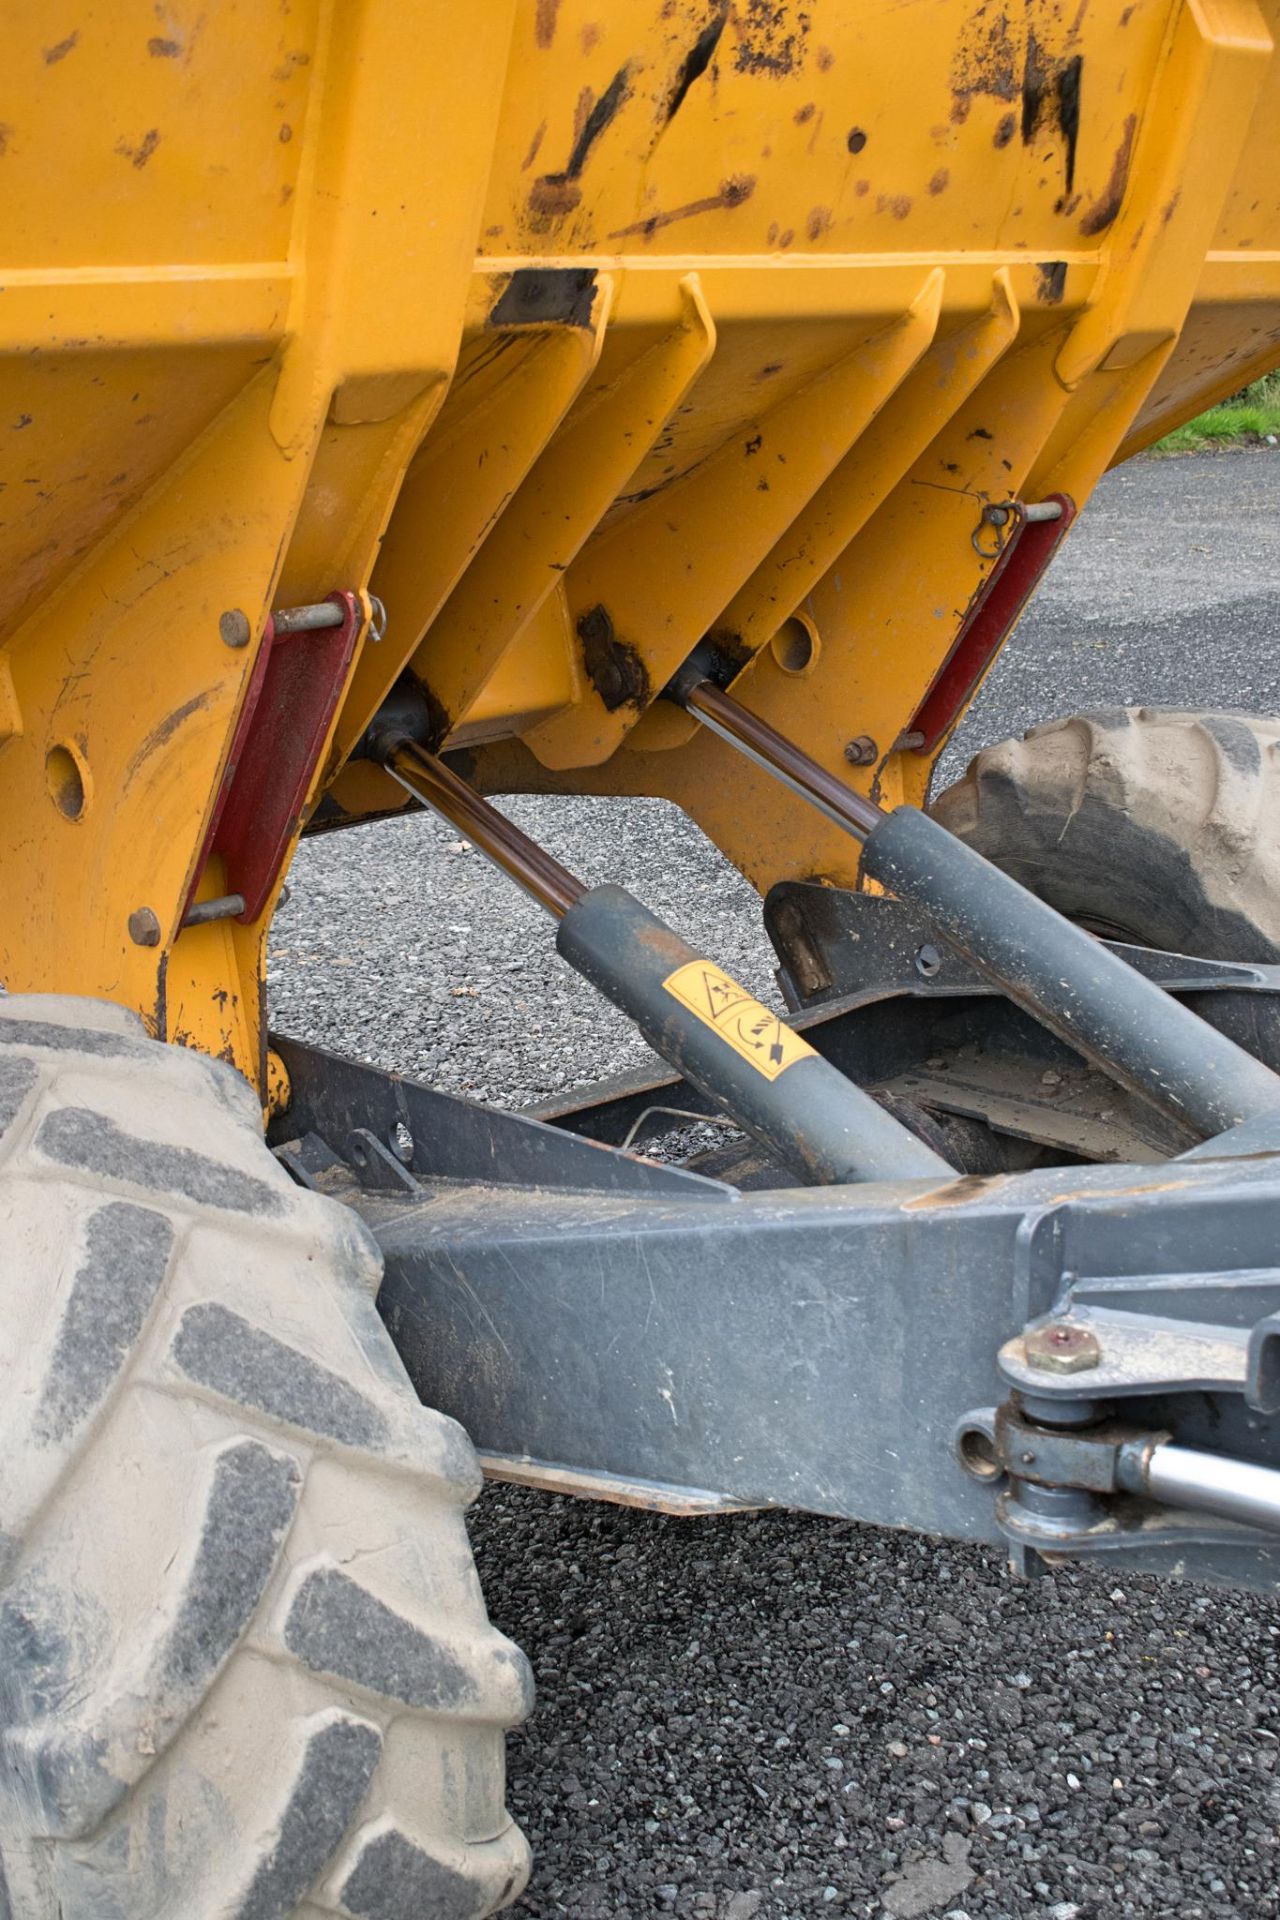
(1149, 824)
(245, 1664)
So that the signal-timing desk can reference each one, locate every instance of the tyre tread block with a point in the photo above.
(337, 1626)
(127, 1251)
(81, 1767)
(17, 1078)
(93, 1143)
(393, 1878)
(49, 1037)
(218, 1349)
(337, 1767)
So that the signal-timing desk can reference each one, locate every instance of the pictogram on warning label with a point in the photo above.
(750, 1029)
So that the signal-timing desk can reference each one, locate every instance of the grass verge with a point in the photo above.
(1245, 420)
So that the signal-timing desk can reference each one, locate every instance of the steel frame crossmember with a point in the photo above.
(602, 1325)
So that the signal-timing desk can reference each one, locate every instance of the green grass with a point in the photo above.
(1244, 420)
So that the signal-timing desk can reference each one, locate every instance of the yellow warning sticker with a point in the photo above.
(750, 1029)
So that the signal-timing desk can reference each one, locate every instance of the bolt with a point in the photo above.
(234, 628)
(1060, 1348)
(862, 751)
(928, 961)
(144, 928)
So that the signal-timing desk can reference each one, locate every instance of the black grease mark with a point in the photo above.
(1069, 111)
(138, 156)
(439, 719)
(546, 296)
(161, 49)
(980, 433)
(595, 123)
(555, 194)
(857, 140)
(768, 41)
(1053, 281)
(733, 193)
(985, 64)
(696, 61)
(725, 654)
(614, 668)
(1104, 210)
(754, 444)
(1051, 93)
(162, 733)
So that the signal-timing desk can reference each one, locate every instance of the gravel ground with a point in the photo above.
(770, 1714)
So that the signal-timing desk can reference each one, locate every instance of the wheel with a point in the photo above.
(1142, 823)
(245, 1666)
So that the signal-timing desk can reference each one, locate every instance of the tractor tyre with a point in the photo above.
(1142, 823)
(245, 1664)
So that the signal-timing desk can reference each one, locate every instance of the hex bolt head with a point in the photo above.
(1061, 1348)
(862, 751)
(928, 961)
(234, 628)
(144, 928)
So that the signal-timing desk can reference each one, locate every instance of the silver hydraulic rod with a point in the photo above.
(747, 1061)
(1062, 976)
(499, 839)
(1204, 1483)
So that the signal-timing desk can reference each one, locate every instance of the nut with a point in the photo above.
(1062, 1348)
(234, 628)
(862, 751)
(144, 928)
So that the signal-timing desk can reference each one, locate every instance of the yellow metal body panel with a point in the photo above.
(577, 330)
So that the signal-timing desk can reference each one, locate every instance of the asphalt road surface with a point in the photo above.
(772, 1714)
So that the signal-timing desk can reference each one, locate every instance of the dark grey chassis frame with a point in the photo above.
(634, 1331)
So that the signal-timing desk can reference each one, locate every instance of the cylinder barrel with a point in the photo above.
(739, 1054)
(1069, 981)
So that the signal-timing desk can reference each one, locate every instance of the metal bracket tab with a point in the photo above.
(288, 710)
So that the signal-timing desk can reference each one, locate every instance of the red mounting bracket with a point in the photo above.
(292, 696)
(992, 612)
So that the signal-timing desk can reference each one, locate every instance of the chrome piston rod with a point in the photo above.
(1204, 1483)
(1088, 996)
(743, 1057)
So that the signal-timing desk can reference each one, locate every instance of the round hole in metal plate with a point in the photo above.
(795, 646)
(65, 777)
